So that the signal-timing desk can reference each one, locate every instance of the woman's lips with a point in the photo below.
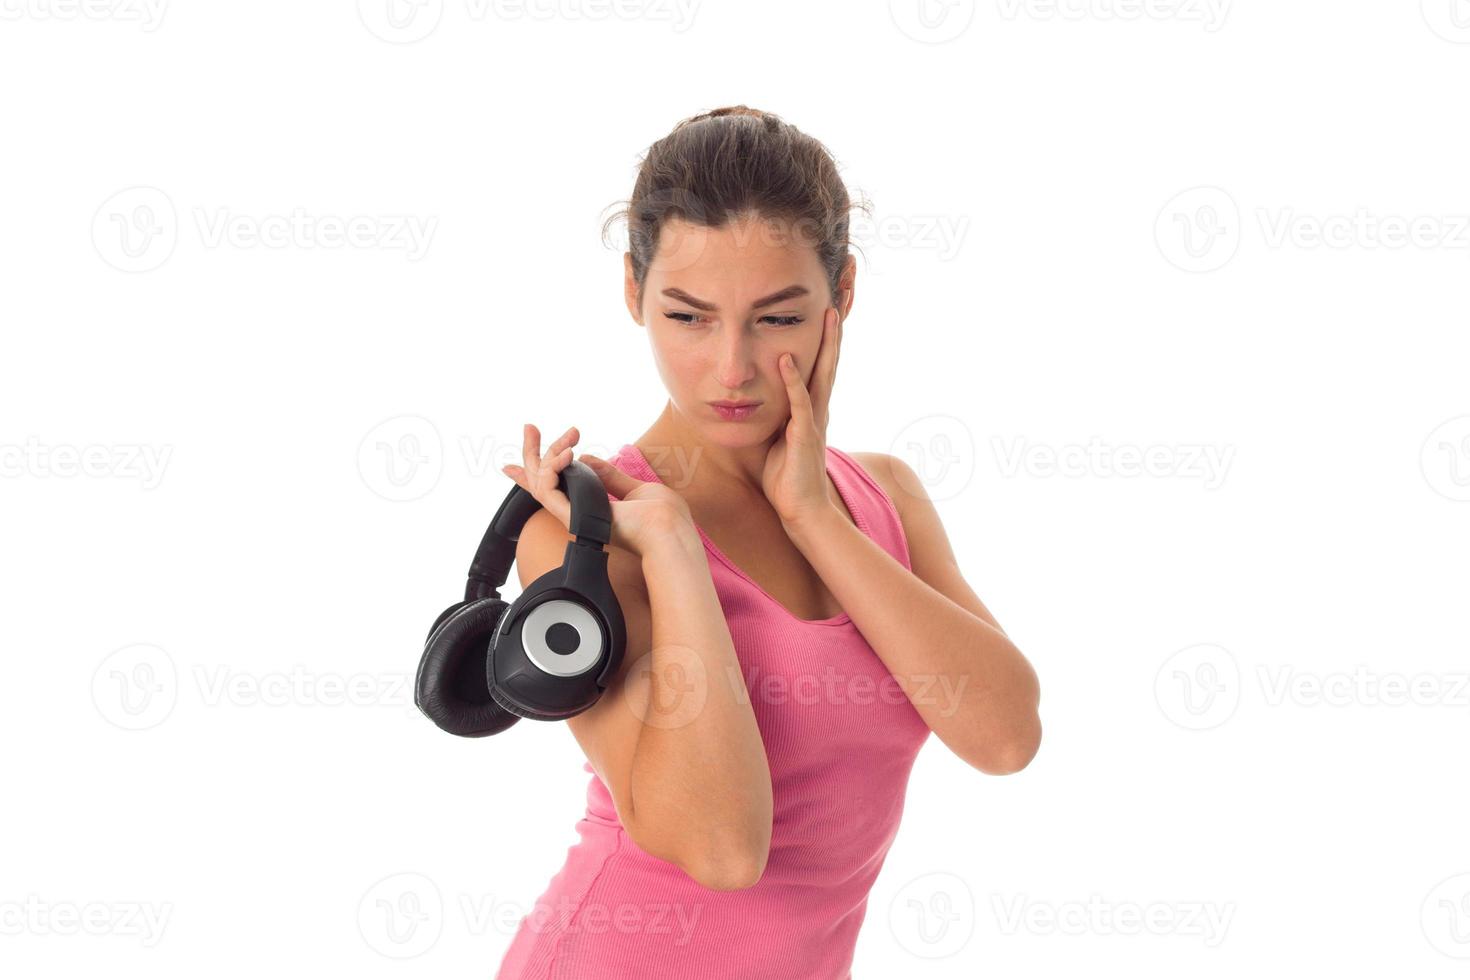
(733, 413)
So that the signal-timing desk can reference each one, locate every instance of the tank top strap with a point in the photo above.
(872, 508)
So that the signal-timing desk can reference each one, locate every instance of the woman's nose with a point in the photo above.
(736, 365)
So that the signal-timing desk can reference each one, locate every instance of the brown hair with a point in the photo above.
(733, 161)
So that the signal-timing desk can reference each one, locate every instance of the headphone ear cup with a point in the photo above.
(439, 621)
(511, 706)
(452, 687)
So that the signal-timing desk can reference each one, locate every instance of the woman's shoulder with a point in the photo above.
(893, 475)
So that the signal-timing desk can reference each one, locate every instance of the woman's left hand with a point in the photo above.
(795, 476)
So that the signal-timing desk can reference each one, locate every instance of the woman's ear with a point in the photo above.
(845, 280)
(630, 289)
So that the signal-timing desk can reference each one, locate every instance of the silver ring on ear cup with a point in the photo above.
(562, 638)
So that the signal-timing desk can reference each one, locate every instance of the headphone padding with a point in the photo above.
(452, 687)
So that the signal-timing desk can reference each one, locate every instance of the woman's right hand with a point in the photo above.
(646, 514)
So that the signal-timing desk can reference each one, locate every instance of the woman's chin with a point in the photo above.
(737, 435)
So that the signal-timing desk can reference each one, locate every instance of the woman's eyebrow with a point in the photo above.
(790, 292)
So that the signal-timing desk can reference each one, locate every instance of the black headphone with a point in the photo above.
(546, 656)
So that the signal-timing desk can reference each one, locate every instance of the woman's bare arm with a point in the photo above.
(674, 737)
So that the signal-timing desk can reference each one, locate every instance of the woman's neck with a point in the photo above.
(696, 467)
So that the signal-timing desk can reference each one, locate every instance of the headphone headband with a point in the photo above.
(591, 524)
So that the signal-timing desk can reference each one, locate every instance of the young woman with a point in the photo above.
(796, 622)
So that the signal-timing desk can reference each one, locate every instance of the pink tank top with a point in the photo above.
(840, 740)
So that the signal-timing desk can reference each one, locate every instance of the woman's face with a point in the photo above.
(721, 305)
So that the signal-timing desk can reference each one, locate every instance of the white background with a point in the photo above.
(1185, 231)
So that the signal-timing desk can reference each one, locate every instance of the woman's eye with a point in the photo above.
(689, 319)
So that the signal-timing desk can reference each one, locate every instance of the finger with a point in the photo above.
(543, 470)
(567, 438)
(530, 449)
(825, 372)
(796, 393)
(618, 483)
(538, 476)
(549, 477)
